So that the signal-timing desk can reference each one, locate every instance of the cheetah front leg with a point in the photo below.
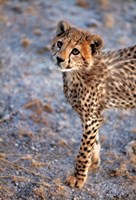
(84, 161)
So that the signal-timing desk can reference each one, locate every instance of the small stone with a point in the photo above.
(26, 42)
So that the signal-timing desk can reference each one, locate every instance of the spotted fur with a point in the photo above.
(94, 80)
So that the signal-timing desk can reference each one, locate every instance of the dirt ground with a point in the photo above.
(39, 132)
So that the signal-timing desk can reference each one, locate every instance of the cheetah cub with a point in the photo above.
(94, 80)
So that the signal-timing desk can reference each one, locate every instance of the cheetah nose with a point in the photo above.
(59, 60)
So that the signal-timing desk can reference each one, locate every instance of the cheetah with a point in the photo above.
(93, 80)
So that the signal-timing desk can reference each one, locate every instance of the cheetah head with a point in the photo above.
(74, 49)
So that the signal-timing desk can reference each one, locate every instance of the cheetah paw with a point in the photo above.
(74, 181)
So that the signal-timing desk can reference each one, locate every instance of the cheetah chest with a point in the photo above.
(76, 93)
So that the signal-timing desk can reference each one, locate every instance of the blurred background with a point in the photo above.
(39, 132)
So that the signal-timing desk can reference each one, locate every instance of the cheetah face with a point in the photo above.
(74, 49)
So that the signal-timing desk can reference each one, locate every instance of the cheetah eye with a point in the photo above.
(59, 44)
(75, 51)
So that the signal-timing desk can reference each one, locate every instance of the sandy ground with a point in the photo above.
(39, 132)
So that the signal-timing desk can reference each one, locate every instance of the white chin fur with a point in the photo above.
(65, 70)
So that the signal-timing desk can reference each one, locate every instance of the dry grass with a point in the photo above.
(3, 18)
(37, 31)
(31, 10)
(37, 164)
(38, 106)
(109, 21)
(40, 192)
(17, 167)
(55, 186)
(104, 4)
(43, 50)
(62, 143)
(133, 130)
(3, 1)
(38, 119)
(123, 171)
(5, 192)
(23, 132)
(82, 3)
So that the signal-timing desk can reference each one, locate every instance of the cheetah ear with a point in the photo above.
(96, 44)
(62, 27)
